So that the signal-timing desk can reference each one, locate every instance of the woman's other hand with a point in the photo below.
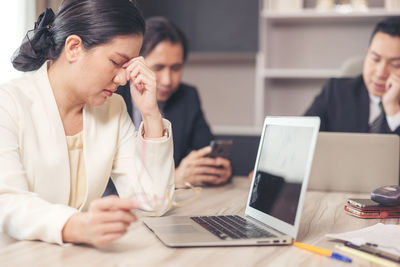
(106, 220)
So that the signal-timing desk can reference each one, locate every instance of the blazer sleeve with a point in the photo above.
(23, 214)
(144, 169)
(201, 131)
(320, 106)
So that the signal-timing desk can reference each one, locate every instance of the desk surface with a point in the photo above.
(323, 213)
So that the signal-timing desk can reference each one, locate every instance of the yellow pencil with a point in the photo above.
(317, 250)
(365, 256)
(322, 251)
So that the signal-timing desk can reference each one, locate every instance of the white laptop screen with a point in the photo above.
(281, 169)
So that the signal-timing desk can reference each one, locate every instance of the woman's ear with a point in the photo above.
(73, 48)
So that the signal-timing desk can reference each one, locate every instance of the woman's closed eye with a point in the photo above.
(115, 63)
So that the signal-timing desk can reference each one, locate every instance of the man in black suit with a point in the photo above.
(370, 102)
(165, 51)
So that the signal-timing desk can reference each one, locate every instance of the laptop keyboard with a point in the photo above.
(231, 226)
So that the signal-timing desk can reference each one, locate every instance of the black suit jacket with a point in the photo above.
(343, 106)
(183, 109)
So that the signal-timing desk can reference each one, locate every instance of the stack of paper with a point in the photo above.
(386, 237)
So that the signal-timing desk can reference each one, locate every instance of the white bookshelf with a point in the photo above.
(312, 14)
(300, 50)
(300, 73)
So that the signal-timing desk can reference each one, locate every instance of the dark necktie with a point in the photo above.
(378, 124)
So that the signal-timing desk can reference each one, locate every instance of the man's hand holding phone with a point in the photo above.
(198, 168)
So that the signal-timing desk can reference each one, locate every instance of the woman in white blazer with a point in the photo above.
(63, 132)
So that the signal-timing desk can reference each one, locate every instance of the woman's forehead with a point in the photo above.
(127, 46)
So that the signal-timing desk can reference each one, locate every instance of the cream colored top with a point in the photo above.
(77, 171)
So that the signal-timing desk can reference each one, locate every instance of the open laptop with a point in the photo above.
(355, 162)
(275, 200)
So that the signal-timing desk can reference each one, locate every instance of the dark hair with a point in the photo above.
(160, 29)
(94, 21)
(389, 26)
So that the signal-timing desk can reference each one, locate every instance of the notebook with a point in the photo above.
(379, 239)
(276, 195)
(355, 162)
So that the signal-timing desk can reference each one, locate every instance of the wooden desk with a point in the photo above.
(323, 214)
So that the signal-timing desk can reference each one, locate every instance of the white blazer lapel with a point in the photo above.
(99, 146)
(53, 179)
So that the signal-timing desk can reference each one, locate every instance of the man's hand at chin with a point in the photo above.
(391, 98)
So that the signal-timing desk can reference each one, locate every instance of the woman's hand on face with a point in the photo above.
(107, 220)
(144, 94)
(143, 86)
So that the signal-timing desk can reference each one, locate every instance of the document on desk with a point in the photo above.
(385, 237)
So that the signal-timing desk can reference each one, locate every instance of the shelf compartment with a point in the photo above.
(312, 14)
(300, 73)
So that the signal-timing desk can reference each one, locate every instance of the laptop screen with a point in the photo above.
(282, 166)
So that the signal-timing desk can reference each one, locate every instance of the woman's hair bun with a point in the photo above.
(37, 45)
(96, 22)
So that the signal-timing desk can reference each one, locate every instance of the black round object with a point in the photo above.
(387, 195)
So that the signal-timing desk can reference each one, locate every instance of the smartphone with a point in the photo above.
(372, 214)
(220, 148)
(363, 203)
(367, 204)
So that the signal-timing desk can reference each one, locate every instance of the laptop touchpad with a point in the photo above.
(177, 229)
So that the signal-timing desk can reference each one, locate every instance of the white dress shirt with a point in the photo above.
(374, 111)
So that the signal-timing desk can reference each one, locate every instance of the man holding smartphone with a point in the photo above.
(165, 51)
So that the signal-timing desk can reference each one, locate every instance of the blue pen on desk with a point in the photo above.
(322, 251)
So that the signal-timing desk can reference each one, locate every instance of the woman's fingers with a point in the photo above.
(112, 202)
(108, 219)
(139, 67)
(133, 60)
(139, 74)
(141, 78)
(113, 228)
(143, 89)
(113, 216)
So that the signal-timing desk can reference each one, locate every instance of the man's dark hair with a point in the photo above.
(159, 29)
(389, 26)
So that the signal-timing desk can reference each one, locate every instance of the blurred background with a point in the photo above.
(223, 43)
(247, 58)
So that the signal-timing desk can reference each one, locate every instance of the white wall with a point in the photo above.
(226, 86)
(16, 18)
